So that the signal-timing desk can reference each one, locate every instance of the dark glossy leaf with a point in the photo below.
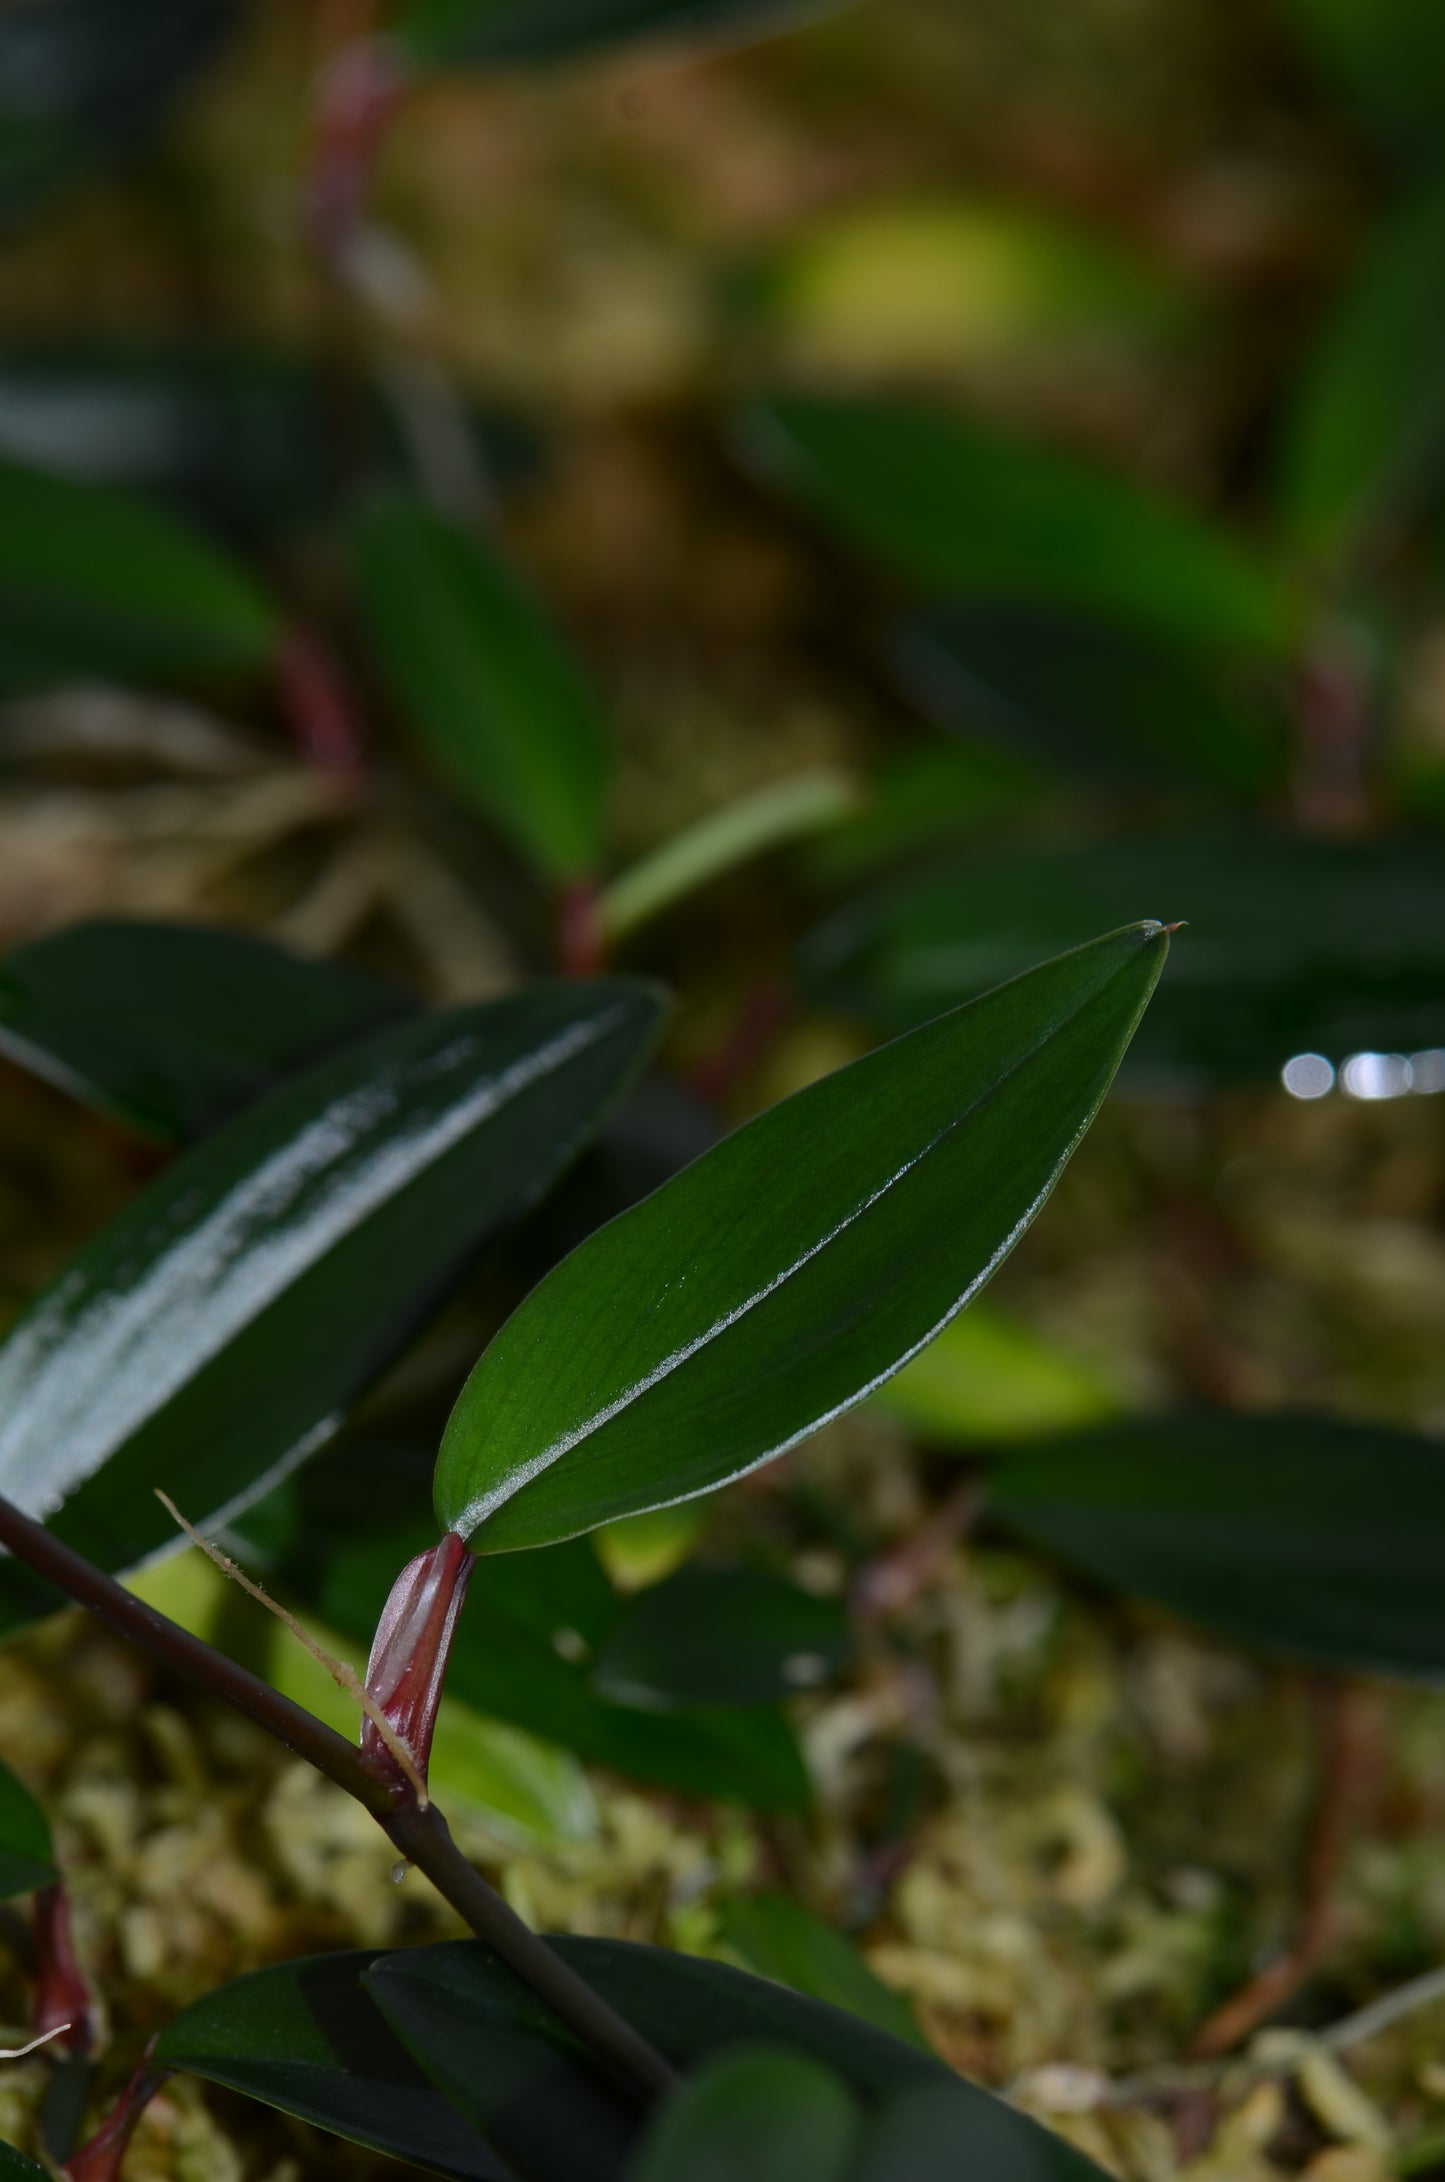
(1295, 945)
(451, 2003)
(304, 2037)
(1388, 59)
(928, 2135)
(173, 1026)
(723, 1636)
(925, 796)
(217, 1330)
(247, 436)
(523, 1652)
(760, 2112)
(779, 1937)
(82, 82)
(499, 33)
(789, 1271)
(27, 1858)
(1099, 700)
(970, 511)
(1364, 449)
(93, 581)
(1302, 1535)
(16, 2164)
(483, 679)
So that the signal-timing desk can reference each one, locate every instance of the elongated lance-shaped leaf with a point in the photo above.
(15, 2164)
(27, 1859)
(972, 511)
(1309, 1537)
(793, 1268)
(758, 2111)
(484, 680)
(220, 1327)
(94, 581)
(172, 1026)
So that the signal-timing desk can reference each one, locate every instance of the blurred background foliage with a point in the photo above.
(831, 517)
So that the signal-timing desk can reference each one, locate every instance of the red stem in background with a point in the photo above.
(99, 2160)
(581, 944)
(324, 716)
(359, 91)
(63, 2002)
(761, 1017)
(1334, 720)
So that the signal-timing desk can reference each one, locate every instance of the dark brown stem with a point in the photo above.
(420, 1836)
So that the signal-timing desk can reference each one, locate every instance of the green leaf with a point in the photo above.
(1295, 945)
(1388, 58)
(989, 1377)
(482, 678)
(919, 2136)
(15, 2163)
(787, 810)
(1095, 699)
(758, 2112)
(84, 82)
(454, 2007)
(723, 1636)
(970, 510)
(215, 1333)
(172, 1026)
(306, 2038)
(27, 1857)
(94, 581)
(524, 1650)
(1305, 1536)
(234, 432)
(922, 797)
(895, 288)
(791, 1270)
(1364, 445)
(500, 33)
(781, 1938)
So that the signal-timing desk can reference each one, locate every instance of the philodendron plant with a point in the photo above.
(212, 1337)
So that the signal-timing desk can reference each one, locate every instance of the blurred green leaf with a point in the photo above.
(919, 2134)
(723, 1636)
(93, 581)
(481, 676)
(499, 33)
(243, 435)
(1295, 945)
(1098, 700)
(639, 1550)
(970, 510)
(935, 284)
(27, 1857)
(173, 1026)
(1388, 59)
(786, 810)
(1364, 445)
(84, 82)
(305, 2037)
(759, 2112)
(923, 796)
(989, 1377)
(779, 1937)
(1305, 1536)
(788, 1272)
(217, 1330)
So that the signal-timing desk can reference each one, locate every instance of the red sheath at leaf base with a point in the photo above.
(409, 1653)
